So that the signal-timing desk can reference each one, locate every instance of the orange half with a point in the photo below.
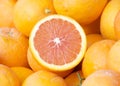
(58, 42)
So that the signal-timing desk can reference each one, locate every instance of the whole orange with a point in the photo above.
(44, 78)
(107, 27)
(6, 13)
(96, 57)
(22, 72)
(28, 12)
(103, 78)
(8, 77)
(84, 11)
(13, 47)
(114, 57)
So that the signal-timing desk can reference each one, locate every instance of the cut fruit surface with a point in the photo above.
(58, 42)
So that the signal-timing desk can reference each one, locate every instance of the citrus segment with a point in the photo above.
(58, 42)
(36, 66)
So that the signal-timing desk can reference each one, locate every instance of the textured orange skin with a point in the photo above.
(83, 11)
(22, 72)
(8, 77)
(44, 78)
(92, 38)
(28, 12)
(114, 57)
(13, 47)
(6, 13)
(73, 79)
(103, 78)
(96, 57)
(108, 16)
(117, 26)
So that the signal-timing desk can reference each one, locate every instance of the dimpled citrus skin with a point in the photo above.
(83, 11)
(96, 56)
(8, 77)
(6, 13)
(13, 47)
(44, 78)
(28, 12)
(103, 78)
(107, 27)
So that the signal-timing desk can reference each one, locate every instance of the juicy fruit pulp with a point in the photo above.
(58, 42)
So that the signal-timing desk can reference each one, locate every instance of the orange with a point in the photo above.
(8, 77)
(114, 57)
(96, 57)
(28, 12)
(108, 19)
(37, 66)
(75, 79)
(58, 43)
(83, 11)
(13, 47)
(117, 25)
(6, 13)
(103, 78)
(22, 72)
(92, 38)
(44, 78)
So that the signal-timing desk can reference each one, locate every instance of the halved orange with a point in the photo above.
(58, 42)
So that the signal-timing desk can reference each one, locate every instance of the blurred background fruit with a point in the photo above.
(6, 13)
(117, 26)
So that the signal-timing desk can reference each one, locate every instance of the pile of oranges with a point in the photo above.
(100, 20)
